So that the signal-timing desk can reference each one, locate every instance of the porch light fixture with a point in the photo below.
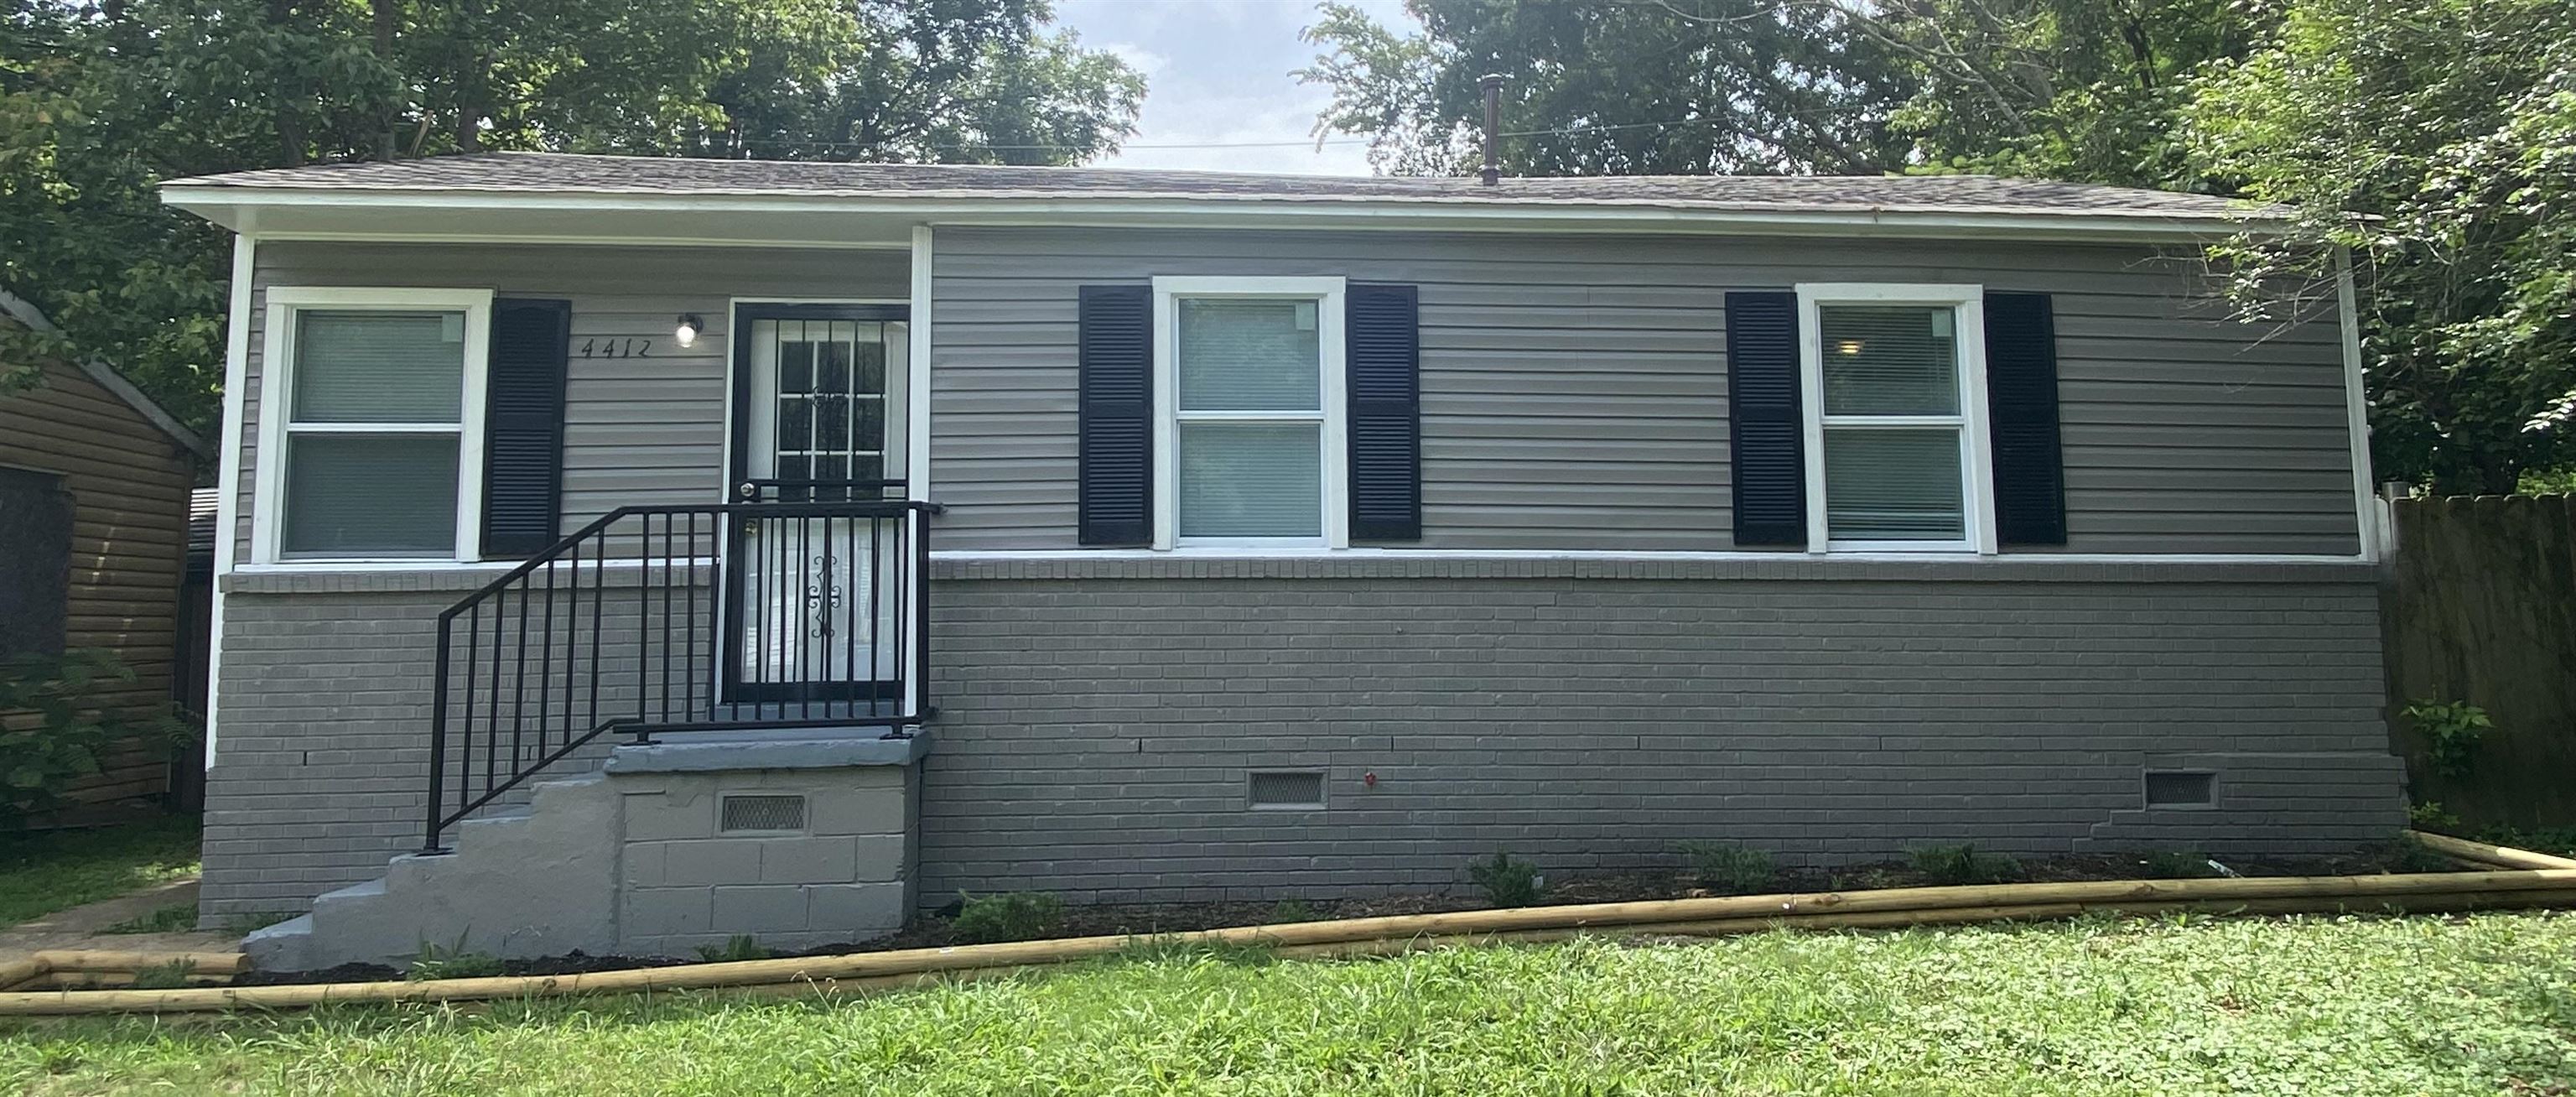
(687, 333)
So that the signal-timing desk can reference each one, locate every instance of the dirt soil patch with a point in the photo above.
(1148, 920)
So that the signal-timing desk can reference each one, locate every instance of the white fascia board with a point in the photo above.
(272, 210)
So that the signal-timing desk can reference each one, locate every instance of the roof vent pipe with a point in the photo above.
(1493, 85)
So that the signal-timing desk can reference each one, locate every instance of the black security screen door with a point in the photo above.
(812, 602)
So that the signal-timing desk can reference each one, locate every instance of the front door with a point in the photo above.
(819, 419)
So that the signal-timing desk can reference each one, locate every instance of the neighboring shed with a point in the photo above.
(94, 508)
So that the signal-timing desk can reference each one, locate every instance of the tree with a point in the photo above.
(2436, 139)
(1622, 87)
(2083, 90)
(100, 103)
(2449, 124)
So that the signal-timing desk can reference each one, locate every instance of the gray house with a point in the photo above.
(638, 552)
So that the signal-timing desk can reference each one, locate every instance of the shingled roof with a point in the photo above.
(563, 173)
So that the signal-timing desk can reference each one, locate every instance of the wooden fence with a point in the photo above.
(2480, 606)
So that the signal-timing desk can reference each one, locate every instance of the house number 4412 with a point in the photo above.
(616, 348)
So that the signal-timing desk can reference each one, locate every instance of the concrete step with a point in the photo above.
(282, 947)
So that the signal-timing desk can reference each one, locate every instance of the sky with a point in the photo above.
(1216, 72)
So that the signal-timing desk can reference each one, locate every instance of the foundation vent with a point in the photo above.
(2181, 790)
(1287, 789)
(764, 813)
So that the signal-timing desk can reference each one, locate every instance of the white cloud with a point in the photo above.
(1218, 74)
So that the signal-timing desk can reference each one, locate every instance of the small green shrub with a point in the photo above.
(1291, 910)
(2556, 841)
(2451, 731)
(2170, 864)
(740, 946)
(1506, 882)
(67, 736)
(989, 918)
(2405, 854)
(1965, 864)
(169, 976)
(2430, 815)
(177, 918)
(1730, 869)
(451, 962)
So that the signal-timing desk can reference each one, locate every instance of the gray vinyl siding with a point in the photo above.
(638, 430)
(1574, 388)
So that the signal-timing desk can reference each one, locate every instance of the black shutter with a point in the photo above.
(1117, 410)
(523, 426)
(2021, 399)
(1384, 366)
(1769, 434)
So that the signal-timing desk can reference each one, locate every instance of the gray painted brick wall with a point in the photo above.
(1095, 735)
(1096, 730)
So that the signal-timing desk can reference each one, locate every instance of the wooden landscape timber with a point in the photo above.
(2551, 884)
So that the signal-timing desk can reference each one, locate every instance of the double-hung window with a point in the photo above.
(1895, 394)
(371, 425)
(1249, 408)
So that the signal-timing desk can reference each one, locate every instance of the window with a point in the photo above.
(1895, 395)
(35, 563)
(371, 439)
(1249, 409)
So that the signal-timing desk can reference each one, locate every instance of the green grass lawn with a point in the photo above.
(2477, 1005)
(47, 871)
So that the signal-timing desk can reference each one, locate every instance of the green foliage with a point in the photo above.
(69, 734)
(2169, 864)
(1746, 85)
(2064, 89)
(983, 919)
(2556, 841)
(243, 925)
(740, 946)
(100, 103)
(1291, 910)
(2546, 482)
(1730, 869)
(434, 961)
(2405, 854)
(2452, 125)
(2452, 731)
(1964, 864)
(176, 918)
(2430, 815)
(169, 976)
(2453, 1006)
(1507, 882)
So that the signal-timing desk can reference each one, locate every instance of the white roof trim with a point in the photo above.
(224, 203)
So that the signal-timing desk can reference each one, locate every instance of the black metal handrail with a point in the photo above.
(684, 618)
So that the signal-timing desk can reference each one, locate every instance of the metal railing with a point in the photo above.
(658, 620)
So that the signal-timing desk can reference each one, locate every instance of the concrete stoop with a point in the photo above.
(640, 860)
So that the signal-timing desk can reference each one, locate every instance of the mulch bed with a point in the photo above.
(1110, 920)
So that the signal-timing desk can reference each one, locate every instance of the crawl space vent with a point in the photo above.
(764, 813)
(1276, 789)
(2179, 790)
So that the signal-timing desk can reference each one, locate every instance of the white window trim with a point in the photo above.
(277, 382)
(1333, 416)
(1976, 463)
